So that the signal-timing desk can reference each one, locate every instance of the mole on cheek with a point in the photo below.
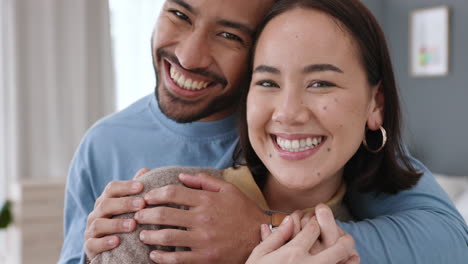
(318, 174)
(269, 155)
(325, 108)
(328, 149)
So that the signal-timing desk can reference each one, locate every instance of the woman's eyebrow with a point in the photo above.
(265, 68)
(321, 67)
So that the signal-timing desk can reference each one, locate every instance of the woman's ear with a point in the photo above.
(376, 114)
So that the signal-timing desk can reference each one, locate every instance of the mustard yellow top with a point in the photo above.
(243, 179)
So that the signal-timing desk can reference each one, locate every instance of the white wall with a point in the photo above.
(56, 81)
(132, 27)
(63, 81)
(2, 107)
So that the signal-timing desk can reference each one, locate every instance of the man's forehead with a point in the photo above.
(226, 8)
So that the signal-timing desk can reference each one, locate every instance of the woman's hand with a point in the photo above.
(319, 241)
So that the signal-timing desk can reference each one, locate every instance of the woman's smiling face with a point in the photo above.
(309, 100)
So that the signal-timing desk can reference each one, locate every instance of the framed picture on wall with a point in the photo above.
(429, 41)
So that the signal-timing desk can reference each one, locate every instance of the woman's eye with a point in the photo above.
(231, 36)
(321, 84)
(267, 84)
(180, 15)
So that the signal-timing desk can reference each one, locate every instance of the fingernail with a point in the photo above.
(285, 220)
(263, 229)
(142, 235)
(136, 186)
(153, 255)
(111, 241)
(127, 224)
(185, 175)
(137, 203)
(138, 216)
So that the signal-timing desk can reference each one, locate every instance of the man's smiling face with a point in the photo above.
(201, 53)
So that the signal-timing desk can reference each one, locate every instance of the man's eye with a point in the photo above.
(321, 84)
(231, 36)
(180, 15)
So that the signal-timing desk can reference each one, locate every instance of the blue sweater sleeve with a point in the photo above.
(420, 225)
(79, 201)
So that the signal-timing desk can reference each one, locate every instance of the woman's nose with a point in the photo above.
(291, 110)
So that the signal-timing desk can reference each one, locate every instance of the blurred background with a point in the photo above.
(64, 64)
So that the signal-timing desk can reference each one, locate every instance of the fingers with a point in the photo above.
(159, 256)
(353, 260)
(265, 231)
(174, 194)
(114, 206)
(328, 227)
(169, 237)
(276, 239)
(122, 188)
(165, 216)
(141, 172)
(307, 237)
(101, 227)
(202, 181)
(296, 217)
(342, 250)
(306, 218)
(95, 246)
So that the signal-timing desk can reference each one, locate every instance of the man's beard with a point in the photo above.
(180, 110)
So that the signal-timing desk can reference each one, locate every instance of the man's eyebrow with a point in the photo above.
(236, 25)
(264, 68)
(185, 5)
(321, 67)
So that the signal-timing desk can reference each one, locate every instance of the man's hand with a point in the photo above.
(305, 246)
(223, 224)
(99, 227)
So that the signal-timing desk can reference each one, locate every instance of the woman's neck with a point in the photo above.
(282, 199)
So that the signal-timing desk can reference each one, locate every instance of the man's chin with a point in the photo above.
(185, 111)
(179, 110)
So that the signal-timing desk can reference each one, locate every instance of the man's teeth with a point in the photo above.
(187, 83)
(298, 145)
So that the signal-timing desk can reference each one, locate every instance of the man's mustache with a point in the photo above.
(161, 53)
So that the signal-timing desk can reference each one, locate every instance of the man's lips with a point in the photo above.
(185, 84)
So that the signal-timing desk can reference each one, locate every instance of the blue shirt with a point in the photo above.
(416, 226)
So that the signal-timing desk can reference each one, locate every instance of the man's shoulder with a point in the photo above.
(121, 126)
(136, 114)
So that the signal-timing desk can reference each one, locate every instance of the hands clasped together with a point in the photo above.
(222, 226)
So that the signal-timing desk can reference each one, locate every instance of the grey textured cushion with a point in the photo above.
(131, 249)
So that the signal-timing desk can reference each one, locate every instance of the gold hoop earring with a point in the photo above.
(384, 141)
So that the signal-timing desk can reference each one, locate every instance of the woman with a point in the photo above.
(321, 102)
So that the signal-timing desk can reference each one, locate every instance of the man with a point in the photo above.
(201, 52)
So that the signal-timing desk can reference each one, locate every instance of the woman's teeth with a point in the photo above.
(298, 145)
(187, 83)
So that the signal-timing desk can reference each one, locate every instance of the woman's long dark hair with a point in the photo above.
(387, 171)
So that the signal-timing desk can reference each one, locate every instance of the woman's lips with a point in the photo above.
(297, 147)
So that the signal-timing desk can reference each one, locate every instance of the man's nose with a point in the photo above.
(193, 52)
